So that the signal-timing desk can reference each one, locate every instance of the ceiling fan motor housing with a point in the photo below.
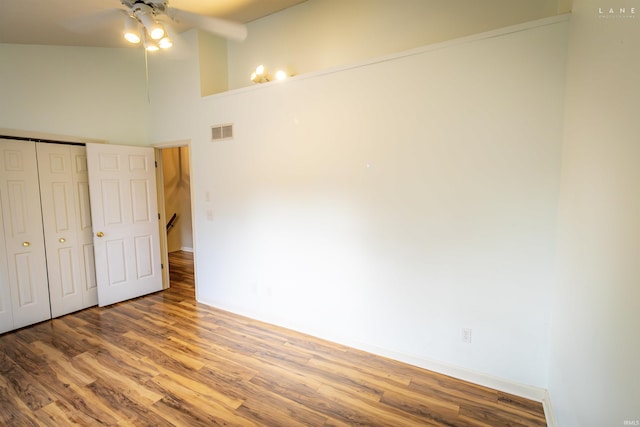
(146, 11)
(157, 6)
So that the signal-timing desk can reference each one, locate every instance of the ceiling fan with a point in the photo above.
(149, 22)
(145, 21)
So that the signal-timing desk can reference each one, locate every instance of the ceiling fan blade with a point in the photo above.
(228, 29)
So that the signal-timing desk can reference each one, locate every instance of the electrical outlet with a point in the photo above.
(466, 335)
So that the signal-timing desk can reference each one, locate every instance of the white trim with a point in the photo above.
(173, 144)
(411, 52)
(548, 411)
(164, 252)
(48, 136)
(461, 373)
(186, 249)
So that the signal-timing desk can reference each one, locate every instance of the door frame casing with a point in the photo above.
(164, 253)
(161, 206)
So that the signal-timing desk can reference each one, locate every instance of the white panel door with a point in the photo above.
(23, 236)
(6, 313)
(67, 227)
(124, 212)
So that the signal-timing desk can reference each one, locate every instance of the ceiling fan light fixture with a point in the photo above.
(144, 13)
(156, 31)
(165, 43)
(151, 46)
(131, 32)
(132, 37)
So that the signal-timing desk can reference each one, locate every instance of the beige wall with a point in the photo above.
(89, 93)
(101, 94)
(214, 69)
(595, 369)
(320, 34)
(177, 193)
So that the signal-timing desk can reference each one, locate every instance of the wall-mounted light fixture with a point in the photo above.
(260, 75)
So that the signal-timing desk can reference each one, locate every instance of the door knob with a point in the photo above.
(100, 234)
(26, 244)
(62, 240)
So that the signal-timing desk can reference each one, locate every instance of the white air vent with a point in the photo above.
(221, 132)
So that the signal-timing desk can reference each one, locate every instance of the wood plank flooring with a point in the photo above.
(164, 360)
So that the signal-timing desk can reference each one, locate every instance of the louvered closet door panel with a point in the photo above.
(23, 234)
(67, 226)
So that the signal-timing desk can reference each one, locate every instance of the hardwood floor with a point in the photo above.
(164, 359)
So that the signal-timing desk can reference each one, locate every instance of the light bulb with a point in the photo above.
(156, 32)
(144, 13)
(260, 70)
(165, 43)
(281, 75)
(131, 33)
(151, 46)
(132, 37)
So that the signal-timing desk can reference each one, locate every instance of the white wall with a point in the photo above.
(595, 369)
(175, 90)
(320, 34)
(391, 204)
(84, 92)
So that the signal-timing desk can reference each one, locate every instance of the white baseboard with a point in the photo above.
(184, 249)
(497, 383)
(548, 411)
(465, 374)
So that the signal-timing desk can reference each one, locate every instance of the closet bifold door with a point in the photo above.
(6, 312)
(24, 293)
(67, 227)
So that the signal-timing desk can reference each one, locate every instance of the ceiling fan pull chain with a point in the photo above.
(146, 70)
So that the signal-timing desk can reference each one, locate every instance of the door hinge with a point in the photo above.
(156, 163)
(158, 215)
(161, 266)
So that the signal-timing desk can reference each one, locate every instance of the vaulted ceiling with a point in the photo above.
(90, 23)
